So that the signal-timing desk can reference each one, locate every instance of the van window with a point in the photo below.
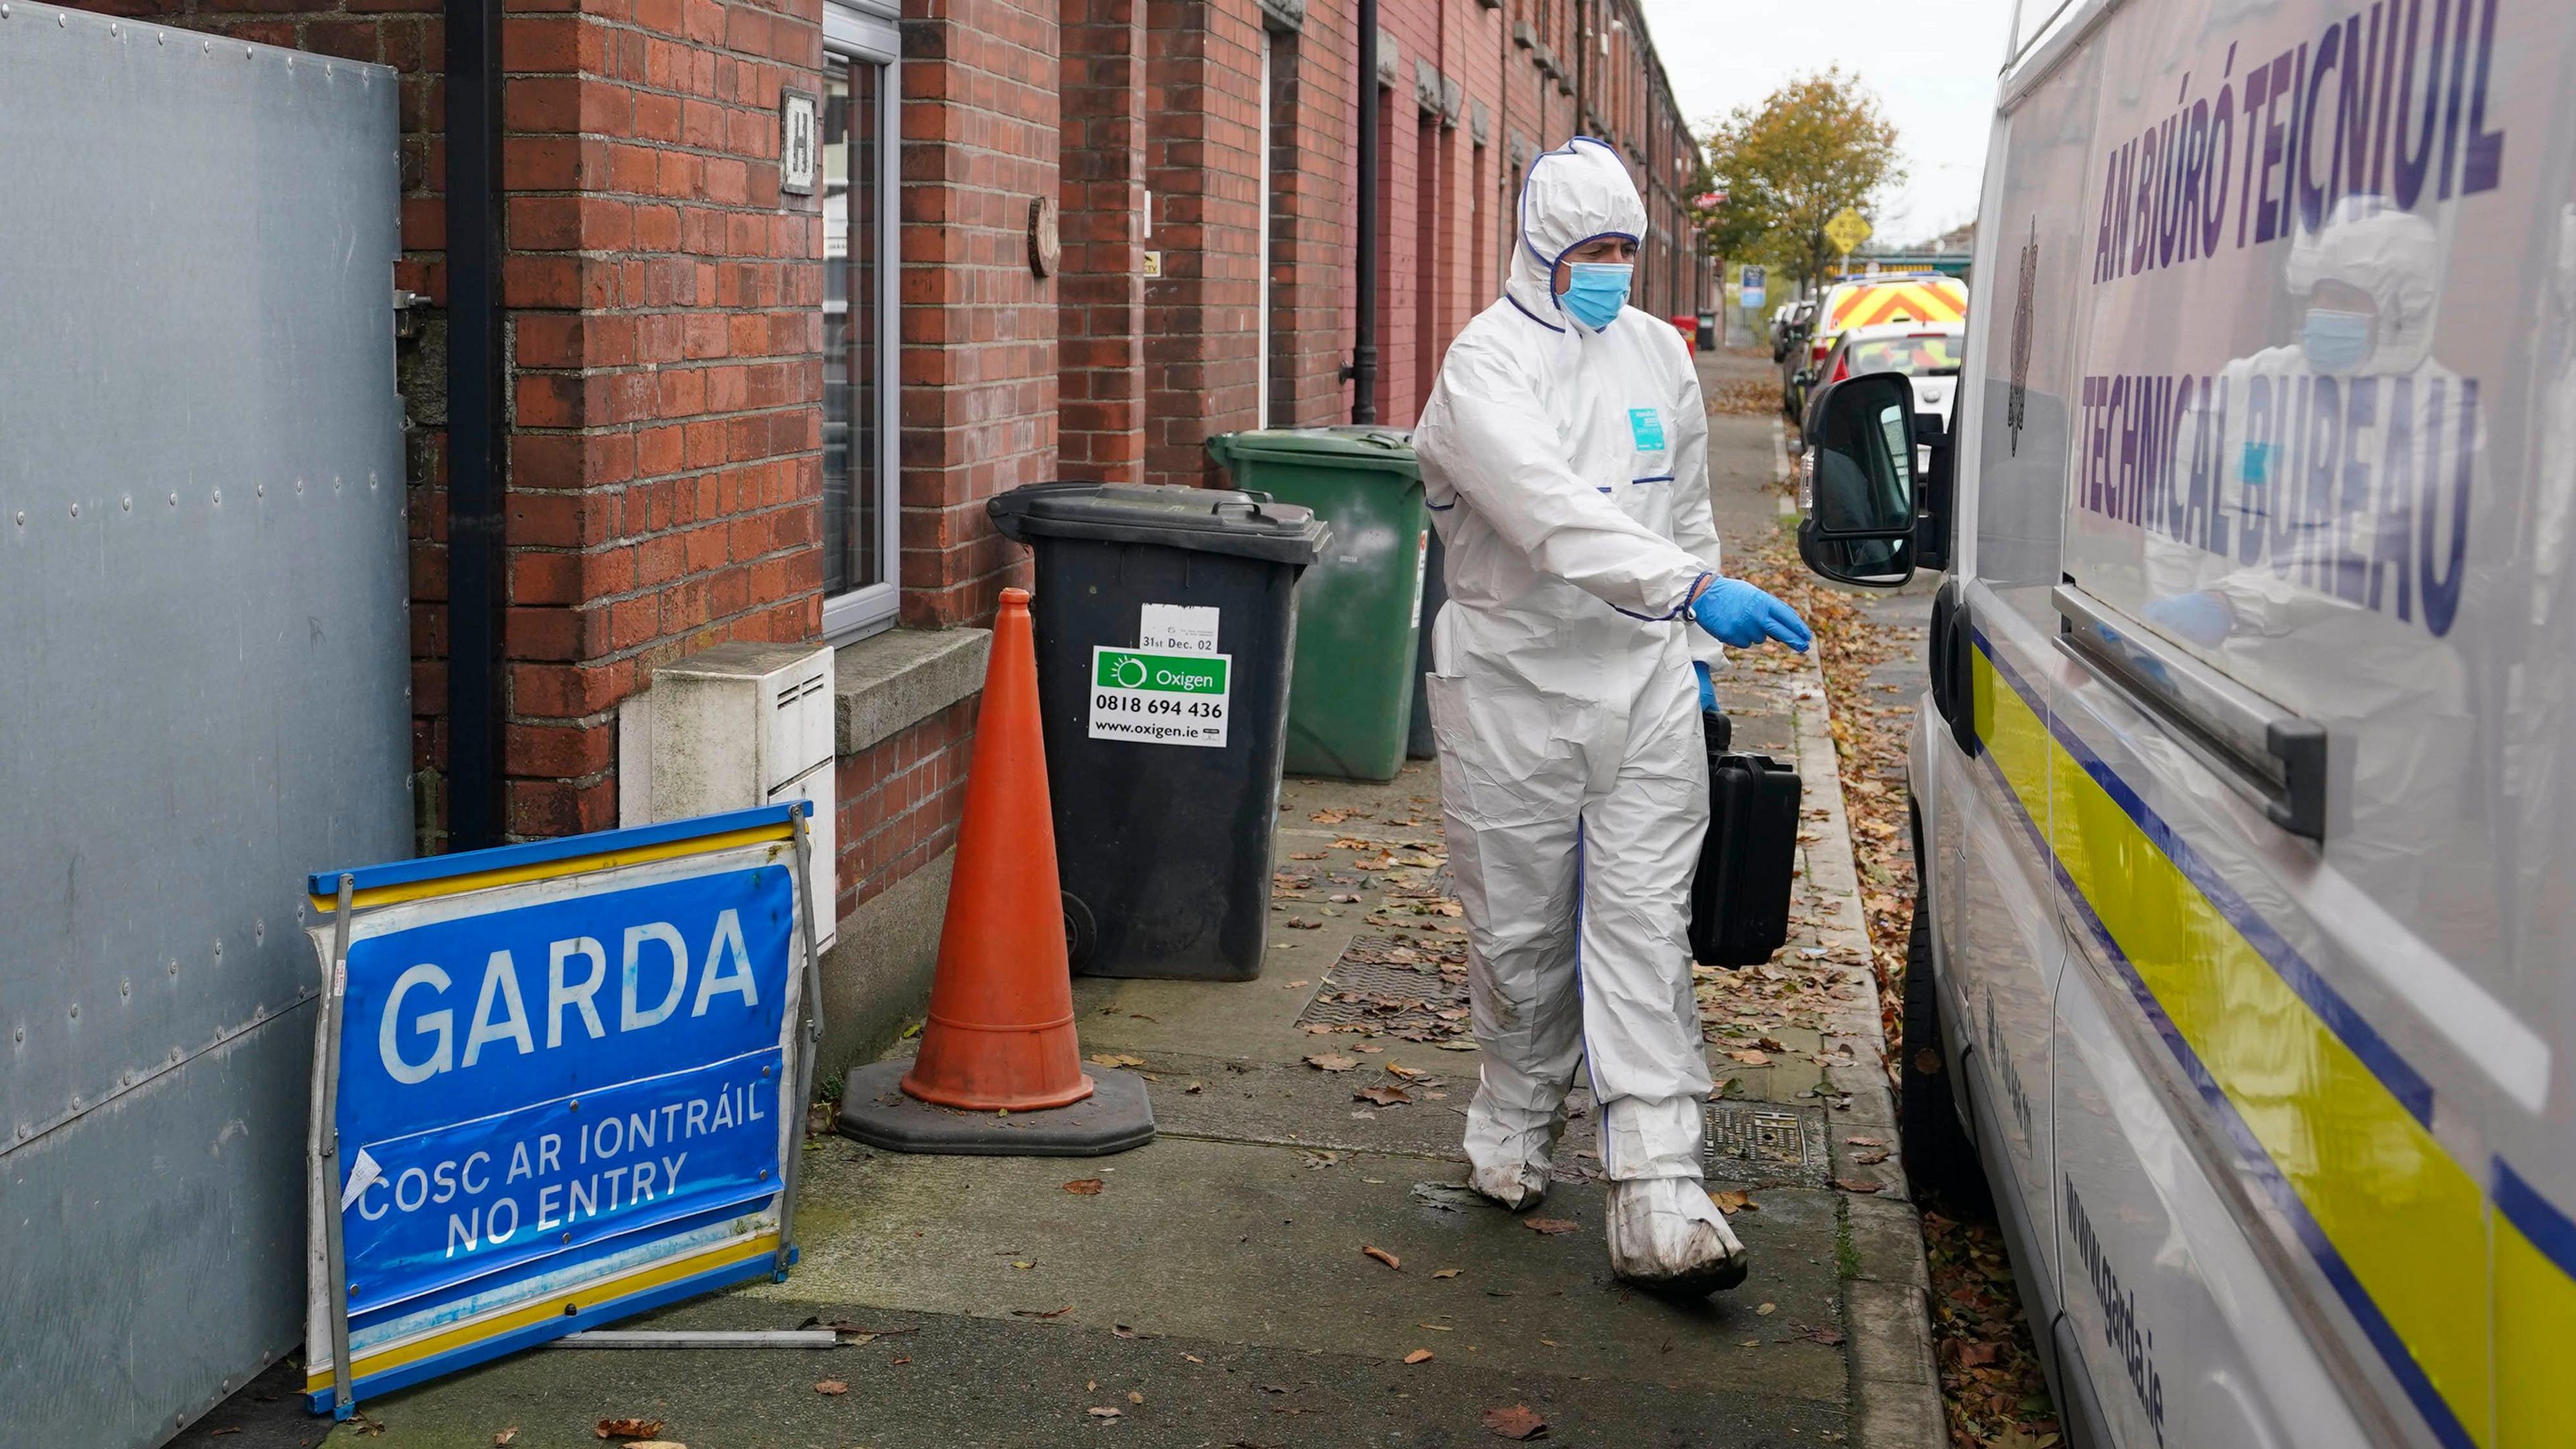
(2029, 309)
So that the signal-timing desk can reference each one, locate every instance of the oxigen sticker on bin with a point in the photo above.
(1160, 698)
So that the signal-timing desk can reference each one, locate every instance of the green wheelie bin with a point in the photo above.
(1350, 704)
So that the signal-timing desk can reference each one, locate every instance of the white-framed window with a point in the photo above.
(862, 91)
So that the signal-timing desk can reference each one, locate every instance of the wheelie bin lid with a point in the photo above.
(1348, 445)
(1207, 520)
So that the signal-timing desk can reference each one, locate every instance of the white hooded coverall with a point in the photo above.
(1567, 471)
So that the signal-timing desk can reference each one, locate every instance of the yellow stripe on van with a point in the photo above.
(2406, 1220)
(2535, 1342)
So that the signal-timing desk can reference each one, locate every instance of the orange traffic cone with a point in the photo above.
(1000, 1033)
(1000, 1038)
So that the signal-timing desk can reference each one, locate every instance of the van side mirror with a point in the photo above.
(1858, 482)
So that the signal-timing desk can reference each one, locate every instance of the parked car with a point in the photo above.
(2243, 966)
(1883, 299)
(1789, 347)
(1927, 356)
(1781, 333)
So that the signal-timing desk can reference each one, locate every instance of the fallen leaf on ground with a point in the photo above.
(899, 1362)
(1517, 1422)
(1733, 1201)
(1854, 1184)
(1307, 854)
(655, 1444)
(1871, 1158)
(1116, 1059)
(627, 1428)
(1750, 1057)
(1085, 1186)
(506, 1436)
(1024, 1265)
(1419, 1355)
(833, 1387)
(1550, 1227)
(1977, 1355)
(1104, 1413)
(1829, 1337)
(1332, 1062)
(1042, 1312)
(1448, 1273)
(1300, 923)
(1401, 1070)
(1383, 1096)
(1134, 1397)
(1120, 1330)
(1866, 1141)
(1335, 817)
(1193, 1358)
(1767, 1309)
(1383, 1256)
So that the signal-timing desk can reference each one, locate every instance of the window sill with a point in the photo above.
(886, 683)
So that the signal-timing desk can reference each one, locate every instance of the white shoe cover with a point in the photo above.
(1665, 1235)
(1517, 1186)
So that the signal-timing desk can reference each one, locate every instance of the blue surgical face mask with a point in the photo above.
(2336, 341)
(1597, 292)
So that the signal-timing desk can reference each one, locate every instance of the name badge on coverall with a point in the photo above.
(1646, 425)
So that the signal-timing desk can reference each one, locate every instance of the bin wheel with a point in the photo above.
(1081, 935)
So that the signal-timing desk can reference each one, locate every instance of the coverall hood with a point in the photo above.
(2394, 256)
(1570, 197)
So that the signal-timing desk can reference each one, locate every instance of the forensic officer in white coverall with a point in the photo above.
(1564, 452)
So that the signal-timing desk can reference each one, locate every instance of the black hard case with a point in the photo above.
(1740, 894)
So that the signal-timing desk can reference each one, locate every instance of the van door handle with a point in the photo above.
(2277, 759)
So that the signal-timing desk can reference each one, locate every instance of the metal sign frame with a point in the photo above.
(483, 1314)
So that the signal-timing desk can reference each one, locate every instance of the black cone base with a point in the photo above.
(876, 1111)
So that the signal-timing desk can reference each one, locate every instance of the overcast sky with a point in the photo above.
(1932, 62)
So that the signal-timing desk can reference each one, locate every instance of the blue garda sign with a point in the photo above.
(558, 1084)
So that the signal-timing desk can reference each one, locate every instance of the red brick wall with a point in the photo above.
(663, 308)
(666, 369)
(1310, 181)
(1203, 116)
(1100, 311)
(900, 800)
(980, 81)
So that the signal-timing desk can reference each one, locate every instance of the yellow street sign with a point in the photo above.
(1846, 230)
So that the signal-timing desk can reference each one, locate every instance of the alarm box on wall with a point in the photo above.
(736, 726)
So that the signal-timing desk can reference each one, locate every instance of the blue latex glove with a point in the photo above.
(1742, 616)
(1707, 688)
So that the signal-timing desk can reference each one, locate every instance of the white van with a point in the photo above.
(2245, 793)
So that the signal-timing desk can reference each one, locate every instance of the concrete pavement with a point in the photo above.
(1215, 1291)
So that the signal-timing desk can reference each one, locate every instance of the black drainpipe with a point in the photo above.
(477, 429)
(1363, 368)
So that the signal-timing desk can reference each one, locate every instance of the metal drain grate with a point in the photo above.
(1759, 1143)
(1390, 990)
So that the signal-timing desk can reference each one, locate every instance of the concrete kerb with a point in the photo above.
(1896, 1390)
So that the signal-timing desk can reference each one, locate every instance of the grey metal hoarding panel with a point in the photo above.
(203, 669)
